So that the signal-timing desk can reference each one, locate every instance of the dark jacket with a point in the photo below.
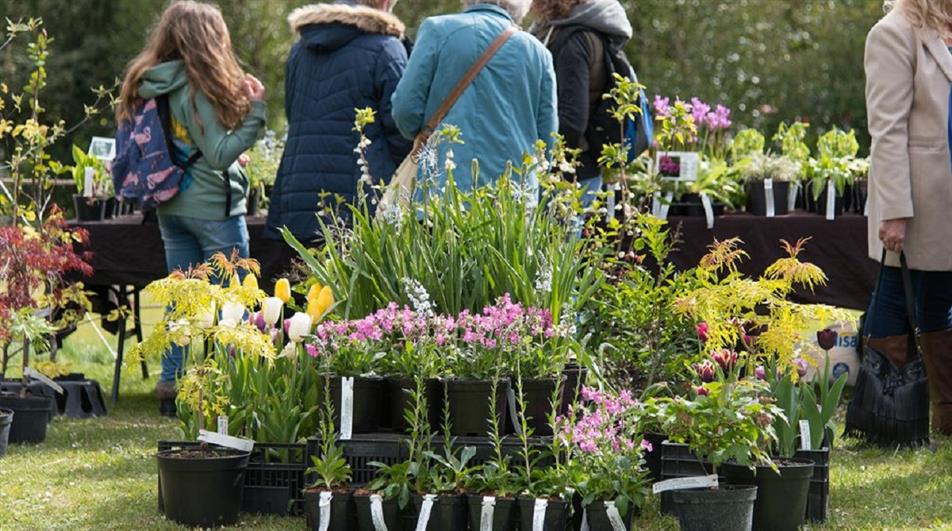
(347, 57)
(578, 51)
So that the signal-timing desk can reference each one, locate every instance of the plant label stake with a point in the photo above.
(89, 182)
(346, 408)
(805, 442)
(223, 425)
(486, 513)
(696, 482)
(768, 197)
(538, 514)
(830, 200)
(614, 517)
(324, 507)
(236, 443)
(511, 397)
(708, 210)
(425, 511)
(376, 513)
(42, 378)
(792, 195)
(866, 208)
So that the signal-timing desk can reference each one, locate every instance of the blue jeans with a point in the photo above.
(188, 243)
(932, 299)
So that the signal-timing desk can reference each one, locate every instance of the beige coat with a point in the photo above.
(908, 79)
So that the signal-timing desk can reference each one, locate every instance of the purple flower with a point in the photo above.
(801, 367)
(312, 350)
(701, 391)
(726, 359)
(760, 373)
(662, 106)
(706, 371)
(719, 119)
(826, 338)
(258, 320)
(669, 166)
(699, 110)
(646, 446)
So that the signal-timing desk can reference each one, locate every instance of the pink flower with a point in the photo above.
(662, 106)
(701, 391)
(726, 359)
(702, 332)
(760, 373)
(801, 367)
(646, 446)
(312, 350)
(699, 110)
(719, 119)
(706, 371)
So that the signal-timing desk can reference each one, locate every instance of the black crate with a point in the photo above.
(391, 448)
(818, 501)
(274, 479)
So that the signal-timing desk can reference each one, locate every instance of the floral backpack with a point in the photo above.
(144, 170)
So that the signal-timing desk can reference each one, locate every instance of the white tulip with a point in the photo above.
(232, 311)
(207, 319)
(228, 323)
(271, 309)
(299, 327)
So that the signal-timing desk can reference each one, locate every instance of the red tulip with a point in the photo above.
(702, 332)
(705, 371)
(726, 359)
(701, 391)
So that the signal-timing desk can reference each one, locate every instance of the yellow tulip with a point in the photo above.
(314, 310)
(314, 291)
(234, 282)
(250, 282)
(282, 290)
(325, 299)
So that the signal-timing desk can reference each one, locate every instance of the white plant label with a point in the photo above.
(585, 526)
(538, 514)
(696, 482)
(324, 506)
(237, 443)
(511, 398)
(425, 511)
(614, 517)
(792, 196)
(89, 182)
(223, 425)
(487, 513)
(769, 198)
(42, 378)
(866, 208)
(708, 210)
(830, 200)
(376, 513)
(805, 441)
(346, 408)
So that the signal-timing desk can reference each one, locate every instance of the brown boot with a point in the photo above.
(165, 390)
(894, 348)
(937, 355)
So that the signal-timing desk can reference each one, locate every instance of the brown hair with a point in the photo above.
(549, 10)
(194, 32)
(927, 14)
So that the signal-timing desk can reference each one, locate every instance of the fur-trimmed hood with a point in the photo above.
(366, 19)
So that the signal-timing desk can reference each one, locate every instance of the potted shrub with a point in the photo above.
(766, 169)
(328, 502)
(830, 173)
(860, 170)
(262, 170)
(606, 453)
(93, 199)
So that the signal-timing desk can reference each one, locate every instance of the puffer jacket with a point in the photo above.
(347, 57)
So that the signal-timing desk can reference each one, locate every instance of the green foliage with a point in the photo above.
(746, 143)
(102, 180)
(330, 468)
(837, 151)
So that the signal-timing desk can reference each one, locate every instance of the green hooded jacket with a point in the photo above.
(196, 126)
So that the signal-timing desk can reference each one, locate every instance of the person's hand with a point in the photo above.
(254, 88)
(243, 160)
(893, 234)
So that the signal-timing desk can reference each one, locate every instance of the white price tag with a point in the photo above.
(376, 513)
(708, 210)
(223, 425)
(805, 440)
(42, 378)
(324, 507)
(665, 205)
(830, 200)
(769, 198)
(425, 509)
(792, 196)
(538, 514)
(866, 208)
(237, 443)
(487, 512)
(89, 182)
(696, 482)
(346, 408)
(656, 205)
(585, 526)
(614, 517)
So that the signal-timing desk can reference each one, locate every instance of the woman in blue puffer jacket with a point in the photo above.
(348, 56)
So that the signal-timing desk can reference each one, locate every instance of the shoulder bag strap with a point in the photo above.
(910, 302)
(463, 84)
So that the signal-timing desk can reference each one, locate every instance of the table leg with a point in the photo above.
(120, 350)
(137, 326)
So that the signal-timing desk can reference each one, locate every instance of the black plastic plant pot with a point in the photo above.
(252, 203)
(398, 401)
(469, 402)
(6, 420)
(343, 512)
(728, 508)
(88, 209)
(597, 515)
(449, 512)
(817, 205)
(860, 193)
(367, 404)
(504, 513)
(557, 514)
(818, 499)
(538, 396)
(653, 457)
(365, 522)
(690, 205)
(31, 416)
(781, 497)
(202, 491)
(109, 209)
(757, 198)
(574, 378)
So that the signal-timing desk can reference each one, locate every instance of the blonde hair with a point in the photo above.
(927, 14)
(194, 32)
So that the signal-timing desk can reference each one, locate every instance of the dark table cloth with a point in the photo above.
(126, 251)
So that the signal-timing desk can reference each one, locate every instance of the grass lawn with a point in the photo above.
(101, 473)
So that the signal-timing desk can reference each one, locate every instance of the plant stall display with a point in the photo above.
(94, 199)
(831, 175)
(792, 143)
(767, 176)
